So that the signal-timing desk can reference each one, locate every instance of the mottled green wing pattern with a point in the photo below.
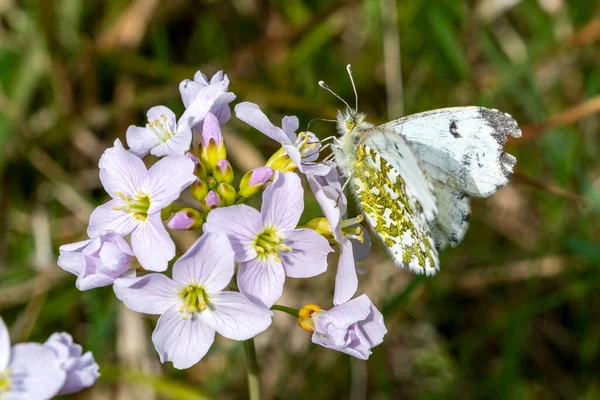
(393, 212)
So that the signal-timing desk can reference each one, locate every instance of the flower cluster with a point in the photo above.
(41, 371)
(264, 246)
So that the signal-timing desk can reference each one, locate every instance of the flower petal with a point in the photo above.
(182, 341)
(4, 345)
(141, 140)
(35, 371)
(308, 256)
(81, 369)
(346, 280)
(208, 97)
(251, 114)
(290, 124)
(235, 317)
(148, 294)
(373, 327)
(121, 171)
(336, 321)
(362, 249)
(209, 262)
(261, 280)
(152, 244)
(106, 217)
(167, 179)
(241, 224)
(283, 202)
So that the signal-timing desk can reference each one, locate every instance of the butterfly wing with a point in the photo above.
(462, 147)
(461, 151)
(397, 200)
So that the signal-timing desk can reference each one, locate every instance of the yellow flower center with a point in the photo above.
(137, 205)
(161, 129)
(269, 243)
(195, 300)
(5, 381)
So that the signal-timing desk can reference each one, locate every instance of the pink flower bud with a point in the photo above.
(254, 180)
(212, 200)
(223, 172)
(188, 218)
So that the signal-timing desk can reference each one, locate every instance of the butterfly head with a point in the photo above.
(350, 120)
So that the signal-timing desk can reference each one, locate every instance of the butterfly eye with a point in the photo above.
(350, 124)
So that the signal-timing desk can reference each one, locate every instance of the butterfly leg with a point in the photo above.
(342, 190)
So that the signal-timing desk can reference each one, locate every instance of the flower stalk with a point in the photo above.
(253, 372)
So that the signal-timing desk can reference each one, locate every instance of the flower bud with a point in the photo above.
(281, 161)
(186, 219)
(223, 172)
(253, 181)
(199, 189)
(305, 316)
(212, 200)
(321, 226)
(212, 182)
(200, 171)
(213, 146)
(227, 193)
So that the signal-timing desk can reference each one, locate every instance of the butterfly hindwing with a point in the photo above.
(393, 209)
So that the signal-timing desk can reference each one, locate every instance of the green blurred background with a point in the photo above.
(514, 311)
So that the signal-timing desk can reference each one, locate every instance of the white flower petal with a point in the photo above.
(106, 217)
(141, 140)
(235, 317)
(148, 294)
(121, 171)
(152, 244)
(261, 280)
(241, 224)
(209, 262)
(283, 202)
(308, 256)
(4, 345)
(182, 341)
(35, 372)
(166, 180)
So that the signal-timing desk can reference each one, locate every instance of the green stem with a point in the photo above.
(289, 310)
(253, 381)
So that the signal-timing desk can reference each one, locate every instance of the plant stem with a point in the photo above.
(253, 381)
(289, 310)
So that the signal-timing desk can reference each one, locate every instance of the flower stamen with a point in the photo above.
(269, 243)
(161, 129)
(137, 205)
(194, 299)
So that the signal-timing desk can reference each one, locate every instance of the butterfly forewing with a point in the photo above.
(393, 209)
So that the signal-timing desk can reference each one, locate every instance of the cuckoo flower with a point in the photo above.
(353, 328)
(266, 243)
(193, 305)
(31, 371)
(328, 192)
(138, 195)
(302, 149)
(196, 91)
(81, 369)
(96, 262)
(162, 135)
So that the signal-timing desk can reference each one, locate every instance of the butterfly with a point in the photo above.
(413, 176)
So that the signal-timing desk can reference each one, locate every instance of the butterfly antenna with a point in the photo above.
(324, 86)
(319, 119)
(349, 69)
